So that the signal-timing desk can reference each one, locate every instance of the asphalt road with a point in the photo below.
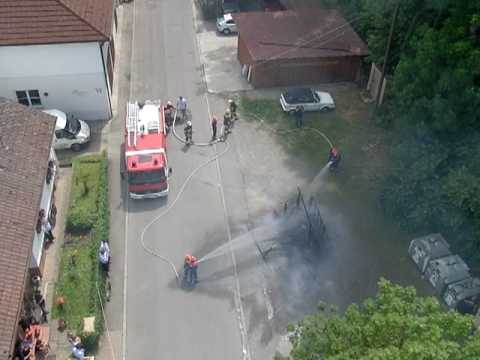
(162, 320)
(242, 305)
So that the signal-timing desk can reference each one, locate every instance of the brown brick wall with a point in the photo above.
(243, 54)
(305, 71)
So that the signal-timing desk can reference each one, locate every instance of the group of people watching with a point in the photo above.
(30, 343)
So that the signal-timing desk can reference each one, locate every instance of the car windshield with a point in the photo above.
(73, 125)
(147, 177)
(298, 96)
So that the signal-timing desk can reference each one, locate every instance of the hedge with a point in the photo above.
(88, 223)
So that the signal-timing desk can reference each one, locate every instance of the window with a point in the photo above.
(22, 97)
(59, 134)
(29, 97)
(64, 134)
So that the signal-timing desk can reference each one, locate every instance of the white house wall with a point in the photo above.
(106, 55)
(46, 204)
(69, 77)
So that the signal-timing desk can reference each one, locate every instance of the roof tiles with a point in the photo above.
(25, 139)
(293, 35)
(32, 22)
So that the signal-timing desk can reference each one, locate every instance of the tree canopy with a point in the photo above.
(432, 101)
(395, 324)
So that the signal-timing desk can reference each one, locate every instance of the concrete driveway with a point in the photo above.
(218, 55)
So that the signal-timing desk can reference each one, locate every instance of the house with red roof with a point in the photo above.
(27, 185)
(58, 54)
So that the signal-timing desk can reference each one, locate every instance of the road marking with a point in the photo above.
(125, 274)
(237, 293)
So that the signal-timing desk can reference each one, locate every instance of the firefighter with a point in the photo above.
(187, 267)
(334, 158)
(188, 131)
(233, 108)
(227, 122)
(193, 270)
(169, 112)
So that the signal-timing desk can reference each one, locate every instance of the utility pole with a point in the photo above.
(387, 53)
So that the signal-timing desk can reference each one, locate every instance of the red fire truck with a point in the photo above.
(145, 150)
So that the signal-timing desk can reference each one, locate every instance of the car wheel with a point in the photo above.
(291, 112)
(226, 31)
(325, 109)
(76, 147)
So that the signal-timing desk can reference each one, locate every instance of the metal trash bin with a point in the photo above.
(424, 249)
(447, 270)
(461, 290)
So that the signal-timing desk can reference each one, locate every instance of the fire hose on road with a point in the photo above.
(187, 180)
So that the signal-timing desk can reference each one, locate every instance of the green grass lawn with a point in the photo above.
(348, 127)
(75, 284)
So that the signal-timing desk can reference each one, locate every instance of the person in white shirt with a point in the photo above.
(182, 107)
(47, 230)
(104, 255)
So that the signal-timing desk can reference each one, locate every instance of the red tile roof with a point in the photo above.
(298, 34)
(54, 21)
(25, 139)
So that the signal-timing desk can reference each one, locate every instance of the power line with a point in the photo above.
(315, 38)
(387, 52)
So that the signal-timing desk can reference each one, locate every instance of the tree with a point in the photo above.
(439, 75)
(396, 324)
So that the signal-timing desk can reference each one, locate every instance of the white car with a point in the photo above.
(226, 25)
(309, 99)
(70, 133)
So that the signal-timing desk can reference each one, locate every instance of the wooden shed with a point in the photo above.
(289, 48)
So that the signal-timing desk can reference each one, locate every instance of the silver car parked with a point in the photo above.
(226, 25)
(309, 99)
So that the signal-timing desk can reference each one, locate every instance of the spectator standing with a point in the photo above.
(214, 128)
(182, 107)
(299, 116)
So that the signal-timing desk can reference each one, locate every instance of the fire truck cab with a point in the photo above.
(145, 150)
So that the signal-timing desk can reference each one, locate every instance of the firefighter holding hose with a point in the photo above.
(334, 158)
(190, 267)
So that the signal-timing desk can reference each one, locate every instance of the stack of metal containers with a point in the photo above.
(447, 273)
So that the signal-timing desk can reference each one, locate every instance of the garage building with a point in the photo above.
(287, 48)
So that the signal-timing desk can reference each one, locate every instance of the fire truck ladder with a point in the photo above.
(132, 123)
(154, 124)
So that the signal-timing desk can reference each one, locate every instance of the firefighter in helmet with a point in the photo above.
(227, 121)
(188, 131)
(233, 108)
(334, 158)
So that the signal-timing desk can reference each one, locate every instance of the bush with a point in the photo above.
(85, 189)
(81, 281)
